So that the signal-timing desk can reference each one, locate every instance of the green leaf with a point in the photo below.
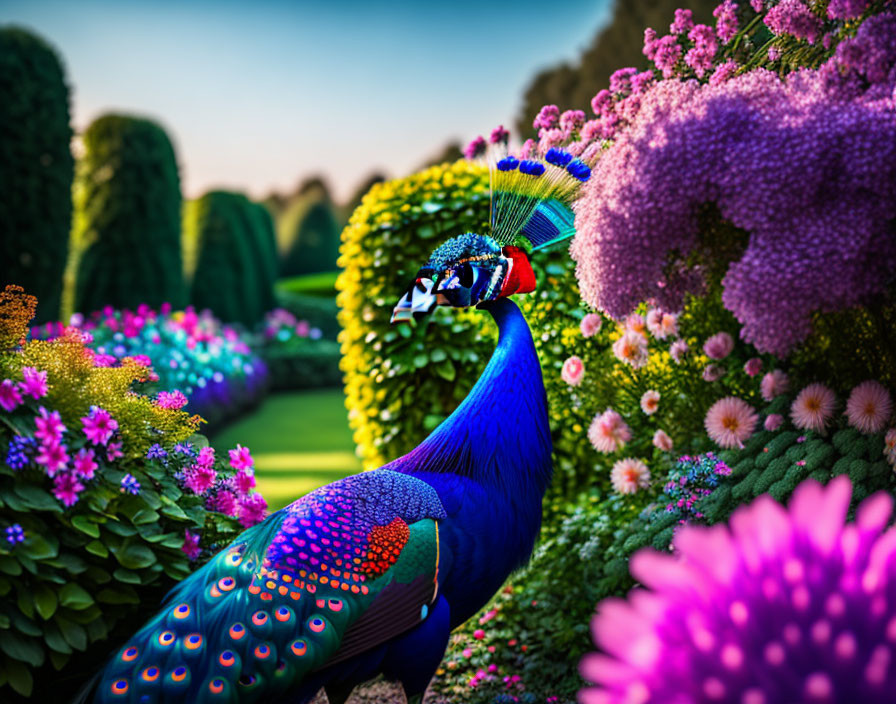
(26, 605)
(45, 601)
(11, 566)
(120, 595)
(126, 576)
(54, 639)
(59, 660)
(37, 547)
(95, 547)
(144, 516)
(74, 634)
(120, 529)
(74, 596)
(36, 498)
(172, 510)
(22, 648)
(446, 370)
(19, 678)
(83, 524)
(135, 556)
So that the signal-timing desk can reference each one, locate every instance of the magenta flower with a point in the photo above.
(113, 451)
(66, 488)
(476, 148)
(206, 457)
(99, 426)
(35, 383)
(84, 464)
(572, 120)
(753, 366)
(191, 545)
(199, 479)
(49, 426)
(573, 371)
(726, 20)
(718, 346)
(243, 481)
(10, 398)
(241, 458)
(173, 400)
(547, 117)
(53, 457)
(780, 606)
(869, 407)
(794, 18)
(684, 21)
(225, 502)
(253, 509)
(730, 421)
(499, 135)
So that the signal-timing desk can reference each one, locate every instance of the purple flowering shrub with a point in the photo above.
(107, 497)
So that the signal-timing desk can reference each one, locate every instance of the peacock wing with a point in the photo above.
(342, 569)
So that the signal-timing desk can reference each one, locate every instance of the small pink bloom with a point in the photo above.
(636, 323)
(253, 509)
(191, 545)
(99, 426)
(35, 383)
(631, 348)
(66, 488)
(730, 421)
(753, 366)
(713, 372)
(172, 400)
(773, 421)
(629, 475)
(678, 350)
(199, 479)
(774, 384)
(662, 441)
(241, 458)
(650, 401)
(467, 652)
(206, 457)
(591, 324)
(225, 502)
(573, 371)
(662, 325)
(113, 450)
(479, 634)
(49, 426)
(10, 398)
(608, 432)
(718, 346)
(813, 407)
(243, 481)
(84, 463)
(53, 457)
(869, 407)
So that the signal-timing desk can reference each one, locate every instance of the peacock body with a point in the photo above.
(370, 574)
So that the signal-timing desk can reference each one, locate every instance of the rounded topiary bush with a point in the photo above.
(265, 239)
(313, 235)
(126, 237)
(36, 167)
(228, 257)
(401, 381)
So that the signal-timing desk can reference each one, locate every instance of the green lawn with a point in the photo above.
(322, 284)
(300, 440)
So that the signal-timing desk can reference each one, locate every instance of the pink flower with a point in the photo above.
(869, 407)
(636, 323)
(650, 401)
(713, 372)
(84, 463)
(191, 545)
(591, 324)
(573, 371)
(243, 481)
(99, 426)
(662, 325)
(113, 451)
(773, 421)
(206, 457)
(678, 350)
(241, 458)
(628, 475)
(53, 457)
(890, 445)
(631, 349)
(662, 441)
(608, 432)
(199, 479)
(774, 384)
(719, 345)
(10, 398)
(730, 421)
(253, 509)
(66, 488)
(813, 407)
(173, 400)
(49, 426)
(753, 366)
(224, 502)
(35, 383)
(479, 634)
(467, 652)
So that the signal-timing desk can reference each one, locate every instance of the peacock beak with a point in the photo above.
(419, 300)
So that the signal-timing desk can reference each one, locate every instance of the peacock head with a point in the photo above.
(465, 271)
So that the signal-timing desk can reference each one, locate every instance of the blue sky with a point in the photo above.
(257, 95)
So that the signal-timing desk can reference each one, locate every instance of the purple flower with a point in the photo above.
(499, 135)
(223, 501)
(253, 509)
(572, 120)
(53, 457)
(667, 52)
(156, 452)
(783, 605)
(621, 82)
(794, 18)
(20, 452)
(846, 9)
(241, 458)
(199, 479)
(99, 426)
(66, 488)
(701, 57)
(476, 148)
(173, 400)
(130, 485)
(243, 481)
(15, 534)
(726, 20)
(684, 21)
(547, 117)
(84, 464)
(191, 545)
(719, 345)
(10, 398)
(113, 450)
(35, 383)
(49, 426)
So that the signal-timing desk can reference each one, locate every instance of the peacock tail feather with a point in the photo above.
(337, 572)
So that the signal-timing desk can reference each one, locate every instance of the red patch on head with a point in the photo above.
(521, 278)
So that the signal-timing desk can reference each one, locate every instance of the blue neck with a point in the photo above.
(499, 435)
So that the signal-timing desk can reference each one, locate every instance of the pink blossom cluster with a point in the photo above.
(34, 384)
(807, 166)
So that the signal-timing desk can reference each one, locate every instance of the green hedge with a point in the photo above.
(36, 168)
(313, 236)
(126, 237)
(228, 251)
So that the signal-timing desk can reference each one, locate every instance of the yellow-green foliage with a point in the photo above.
(400, 382)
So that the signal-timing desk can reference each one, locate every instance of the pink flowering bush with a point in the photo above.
(101, 500)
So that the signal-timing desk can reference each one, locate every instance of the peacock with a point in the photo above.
(370, 574)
